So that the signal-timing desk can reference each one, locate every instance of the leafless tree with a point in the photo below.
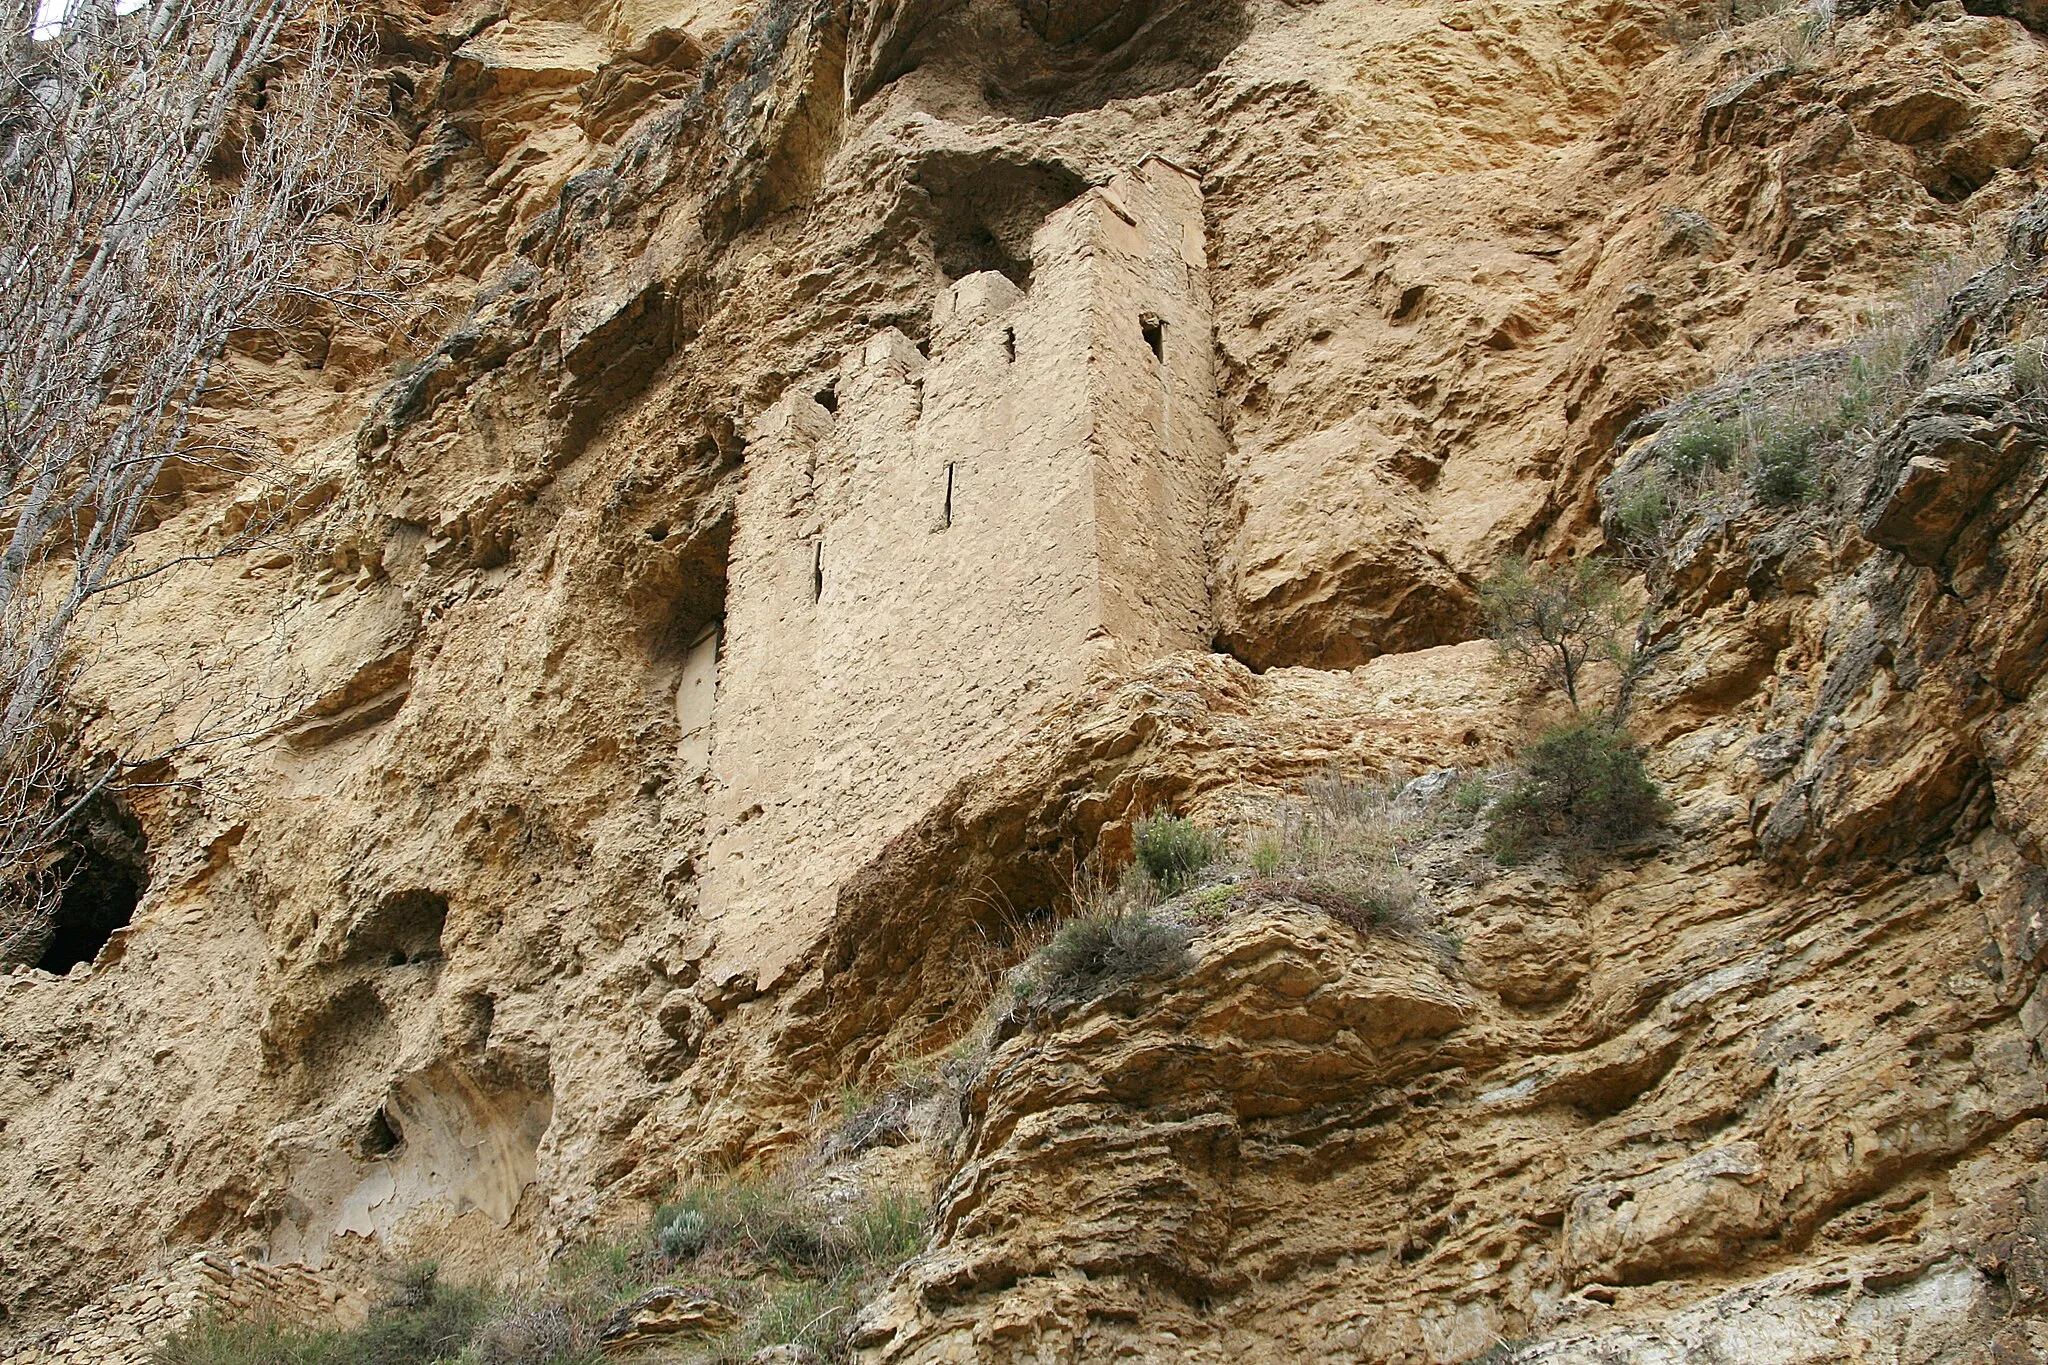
(172, 173)
(1552, 620)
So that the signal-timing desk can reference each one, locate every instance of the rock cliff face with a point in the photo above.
(1170, 372)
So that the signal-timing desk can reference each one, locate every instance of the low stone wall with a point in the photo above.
(127, 1324)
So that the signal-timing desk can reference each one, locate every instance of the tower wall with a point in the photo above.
(929, 553)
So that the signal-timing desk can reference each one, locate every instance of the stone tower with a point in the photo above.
(930, 552)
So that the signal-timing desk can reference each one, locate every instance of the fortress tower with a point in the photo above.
(929, 553)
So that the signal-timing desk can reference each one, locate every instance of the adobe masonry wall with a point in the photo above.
(928, 559)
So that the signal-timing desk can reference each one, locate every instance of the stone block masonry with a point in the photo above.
(930, 552)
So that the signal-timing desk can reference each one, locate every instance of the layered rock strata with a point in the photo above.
(455, 960)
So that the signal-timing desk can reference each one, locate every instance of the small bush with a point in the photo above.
(1785, 473)
(1554, 619)
(1702, 445)
(1095, 953)
(1642, 508)
(2030, 368)
(423, 1321)
(684, 1236)
(1173, 851)
(1583, 788)
(212, 1340)
(1470, 797)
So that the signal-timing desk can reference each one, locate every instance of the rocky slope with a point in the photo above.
(421, 972)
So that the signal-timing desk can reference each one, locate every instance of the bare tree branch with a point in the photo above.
(169, 177)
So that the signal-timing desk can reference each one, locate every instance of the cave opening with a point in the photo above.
(104, 870)
(404, 928)
(381, 1136)
(981, 210)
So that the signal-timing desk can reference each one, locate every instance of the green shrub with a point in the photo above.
(1470, 797)
(1094, 953)
(1785, 462)
(684, 1236)
(1173, 851)
(2030, 368)
(1642, 506)
(1583, 788)
(1701, 445)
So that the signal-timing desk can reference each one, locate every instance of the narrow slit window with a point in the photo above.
(949, 492)
(1010, 344)
(818, 571)
(1155, 335)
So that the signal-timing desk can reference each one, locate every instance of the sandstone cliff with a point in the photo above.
(502, 927)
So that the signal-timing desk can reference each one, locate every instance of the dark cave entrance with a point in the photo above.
(105, 871)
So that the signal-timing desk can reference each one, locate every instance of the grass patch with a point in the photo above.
(1373, 896)
(1340, 850)
(214, 1340)
(1783, 432)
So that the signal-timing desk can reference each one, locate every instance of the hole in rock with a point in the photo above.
(949, 493)
(818, 571)
(381, 1136)
(681, 590)
(1155, 335)
(828, 397)
(478, 1012)
(1009, 346)
(105, 871)
(403, 927)
(984, 210)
